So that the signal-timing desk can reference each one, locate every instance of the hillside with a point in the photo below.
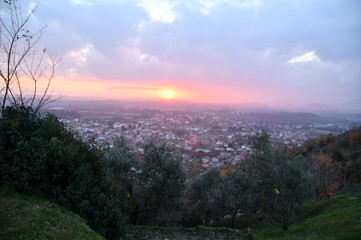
(176, 233)
(338, 218)
(24, 217)
(333, 219)
(340, 157)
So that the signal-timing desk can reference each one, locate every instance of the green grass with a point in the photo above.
(179, 233)
(24, 217)
(337, 218)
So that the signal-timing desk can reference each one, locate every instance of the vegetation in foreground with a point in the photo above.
(335, 219)
(180, 233)
(39, 156)
(108, 187)
(26, 217)
(332, 219)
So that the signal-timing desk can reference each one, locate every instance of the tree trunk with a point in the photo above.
(207, 217)
(135, 214)
(232, 224)
(285, 224)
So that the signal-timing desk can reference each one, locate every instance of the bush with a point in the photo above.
(160, 186)
(150, 187)
(40, 156)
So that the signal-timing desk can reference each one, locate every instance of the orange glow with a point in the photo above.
(120, 89)
(92, 87)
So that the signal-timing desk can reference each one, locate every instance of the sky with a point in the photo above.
(274, 52)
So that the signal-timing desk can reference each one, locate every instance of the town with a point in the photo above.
(206, 139)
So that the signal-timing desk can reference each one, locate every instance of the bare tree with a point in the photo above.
(26, 72)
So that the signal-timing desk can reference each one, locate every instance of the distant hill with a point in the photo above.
(348, 141)
(183, 105)
(24, 217)
(317, 107)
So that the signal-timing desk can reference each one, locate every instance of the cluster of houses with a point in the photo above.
(210, 138)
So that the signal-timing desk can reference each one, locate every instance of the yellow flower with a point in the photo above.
(276, 191)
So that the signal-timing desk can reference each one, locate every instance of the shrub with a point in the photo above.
(40, 156)
(151, 187)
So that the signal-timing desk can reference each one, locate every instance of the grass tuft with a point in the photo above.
(26, 217)
(337, 218)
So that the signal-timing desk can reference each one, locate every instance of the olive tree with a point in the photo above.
(150, 185)
(120, 163)
(214, 197)
(280, 182)
(237, 188)
(206, 195)
(26, 72)
(159, 186)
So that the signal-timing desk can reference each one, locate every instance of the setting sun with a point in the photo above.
(167, 94)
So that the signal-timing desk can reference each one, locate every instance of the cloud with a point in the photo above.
(307, 57)
(159, 10)
(83, 2)
(81, 54)
(105, 24)
(127, 87)
(244, 45)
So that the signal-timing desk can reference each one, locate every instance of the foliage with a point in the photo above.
(40, 156)
(177, 233)
(336, 162)
(151, 188)
(213, 196)
(25, 217)
(207, 195)
(120, 160)
(269, 182)
(327, 175)
(159, 186)
(121, 163)
(238, 193)
(279, 184)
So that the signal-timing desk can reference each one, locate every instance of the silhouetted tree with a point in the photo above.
(26, 73)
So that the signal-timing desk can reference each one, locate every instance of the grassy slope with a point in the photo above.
(338, 218)
(24, 217)
(335, 219)
(176, 233)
